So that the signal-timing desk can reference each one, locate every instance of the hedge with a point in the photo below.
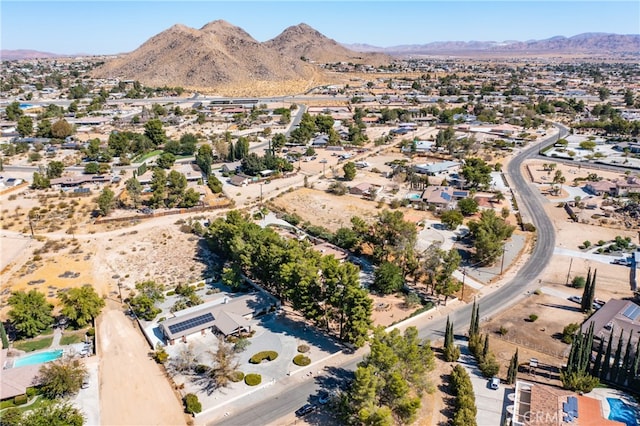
(261, 356)
(3, 336)
(301, 360)
(20, 399)
(236, 376)
(253, 379)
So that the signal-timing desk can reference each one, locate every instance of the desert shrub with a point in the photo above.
(236, 376)
(538, 292)
(191, 404)
(20, 399)
(301, 360)
(261, 356)
(569, 332)
(171, 293)
(253, 379)
(503, 330)
(578, 282)
(533, 317)
(31, 392)
(529, 227)
(303, 349)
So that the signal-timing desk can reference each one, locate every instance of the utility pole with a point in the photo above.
(464, 275)
(502, 263)
(569, 271)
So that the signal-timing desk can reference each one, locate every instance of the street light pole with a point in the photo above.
(502, 263)
(464, 275)
(261, 194)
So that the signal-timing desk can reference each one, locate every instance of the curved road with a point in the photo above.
(284, 403)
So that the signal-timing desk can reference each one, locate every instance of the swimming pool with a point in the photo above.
(413, 196)
(622, 412)
(40, 358)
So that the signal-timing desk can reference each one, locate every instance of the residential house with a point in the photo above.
(626, 187)
(615, 316)
(240, 180)
(231, 167)
(418, 147)
(443, 197)
(433, 169)
(226, 316)
(601, 187)
(365, 189)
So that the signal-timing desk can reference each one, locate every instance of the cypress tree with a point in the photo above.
(472, 329)
(587, 348)
(584, 306)
(476, 320)
(513, 369)
(636, 363)
(606, 366)
(485, 349)
(626, 360)
(446, 333)
(592, 289)
(616, 359)
(597, 365)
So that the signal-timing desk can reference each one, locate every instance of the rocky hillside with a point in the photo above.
(220, 54)
(302, 41)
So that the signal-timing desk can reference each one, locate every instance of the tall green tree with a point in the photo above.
(477, 173)
(512, 372)
(106, 201)
(489, 234)
(25, 126)
(62, 377)
(451, 351)
(30, 313)
(81, 305)
(134, 189)
(55, 169)
(349, 171)
(13, 111)
(55, 414)
(204, 159)
(387, 278)
(154, 131)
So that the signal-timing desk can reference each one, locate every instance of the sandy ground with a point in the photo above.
(133, 388)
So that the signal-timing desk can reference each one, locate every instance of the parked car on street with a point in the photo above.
(306, 409)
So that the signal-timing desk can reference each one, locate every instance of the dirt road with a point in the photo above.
(133, 389)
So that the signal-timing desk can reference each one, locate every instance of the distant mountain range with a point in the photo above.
(589, 43)
(17, 55)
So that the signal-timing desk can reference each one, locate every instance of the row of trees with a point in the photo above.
(31, 313)
(479, 346)
(324, 290)
(390, 381)
(465, 400)
(588, 294)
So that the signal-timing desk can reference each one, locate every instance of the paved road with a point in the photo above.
(273, 408)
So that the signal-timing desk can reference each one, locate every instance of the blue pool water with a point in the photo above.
(413, 196)
(622, 412)
(38, 358)
(25, 106)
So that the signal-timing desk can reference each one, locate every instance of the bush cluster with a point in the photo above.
(487, 363)
(253, 379)
(301, 360)
(261, 356)
(303, 349)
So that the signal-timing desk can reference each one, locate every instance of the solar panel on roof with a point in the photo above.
(190, 323)
(632, 312)
(445, 196)
(459, 193)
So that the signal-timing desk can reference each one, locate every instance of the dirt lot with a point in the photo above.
(133, 388)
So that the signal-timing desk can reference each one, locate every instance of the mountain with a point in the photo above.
(220, 53)
(302, 41)
(587, 43)
(17, 55)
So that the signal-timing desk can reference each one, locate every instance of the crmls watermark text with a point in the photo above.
(539, 418)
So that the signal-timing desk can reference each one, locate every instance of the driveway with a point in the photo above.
(88, 400)
(490, 402)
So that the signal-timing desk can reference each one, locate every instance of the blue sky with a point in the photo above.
(98, 27)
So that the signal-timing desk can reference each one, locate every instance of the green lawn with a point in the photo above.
(33, 345)
(40, 400)
(71, 338)
(141, 158)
